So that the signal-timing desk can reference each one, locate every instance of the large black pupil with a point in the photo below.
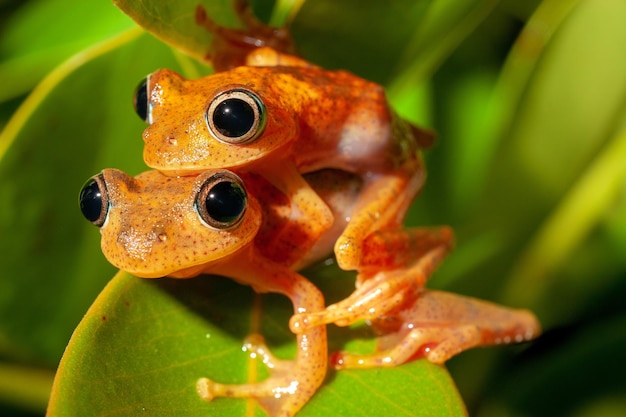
(233, 117)
(225, 202)
(141, 100)
(90, 200)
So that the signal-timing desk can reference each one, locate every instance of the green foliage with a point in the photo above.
(144, 343)
(529, 101)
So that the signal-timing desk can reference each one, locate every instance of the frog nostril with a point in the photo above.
(94, 201)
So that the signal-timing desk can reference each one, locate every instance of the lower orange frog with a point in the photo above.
(243, 227)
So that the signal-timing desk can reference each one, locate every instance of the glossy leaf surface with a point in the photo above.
(176, 23)
(144, 343)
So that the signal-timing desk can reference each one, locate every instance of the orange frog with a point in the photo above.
(153, 225)
(245, 228)
(281, 117)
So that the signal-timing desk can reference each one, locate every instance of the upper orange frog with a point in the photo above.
(278, 107)
(281, 117)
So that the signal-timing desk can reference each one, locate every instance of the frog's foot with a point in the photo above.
(441, 325)
(290, 385)
(376, 296)
(231, 46)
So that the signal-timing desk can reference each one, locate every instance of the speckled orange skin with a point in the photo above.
(316, 119)
(152, 229)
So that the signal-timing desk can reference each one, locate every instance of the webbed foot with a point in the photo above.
(440, 325)
(290, 385)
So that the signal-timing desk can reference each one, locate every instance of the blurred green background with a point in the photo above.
(528, 98)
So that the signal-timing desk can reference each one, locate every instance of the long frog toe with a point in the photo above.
(290, 384)
(441, 325)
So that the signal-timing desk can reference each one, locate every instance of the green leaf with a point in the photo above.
(144, 343)
(76, 122)
(30, 46)
(175, 22)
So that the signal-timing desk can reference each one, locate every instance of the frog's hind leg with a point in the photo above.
(385, 283)
(440, 325)
(291, 382)
(287, 390)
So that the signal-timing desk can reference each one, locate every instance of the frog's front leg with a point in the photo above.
(382, 205)
(396, 267)
(291, 382)
(311, 217)
(440, 325)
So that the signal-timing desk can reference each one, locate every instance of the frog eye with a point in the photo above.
(222, 200)
(94, 200)
(140, 101)
(236, 116)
